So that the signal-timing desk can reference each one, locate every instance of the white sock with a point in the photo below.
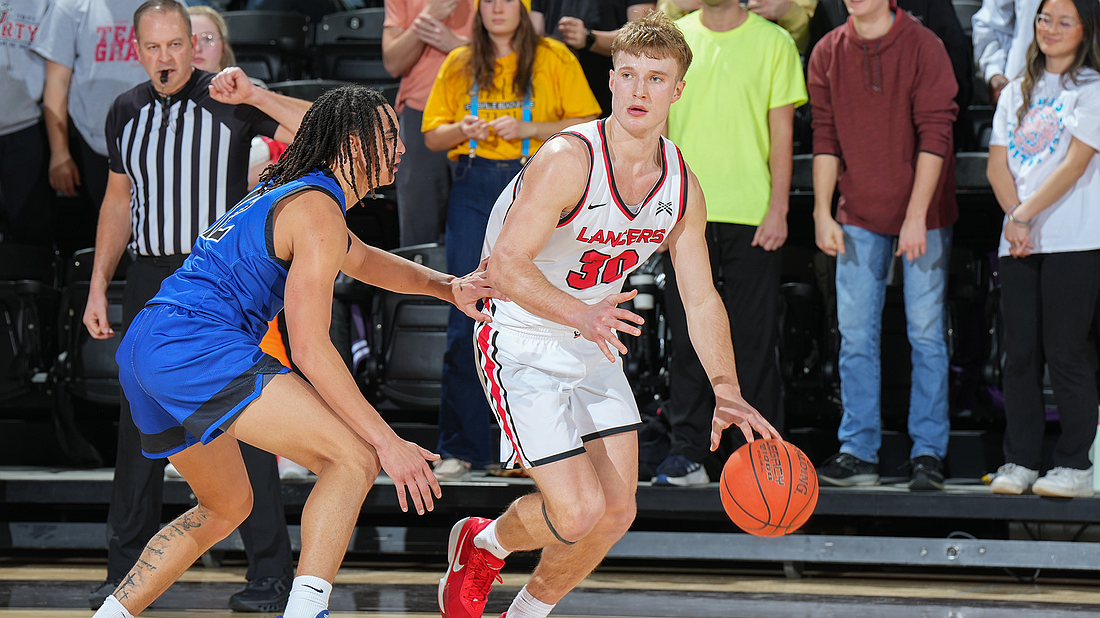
(308, 597)
(111, 608)
(525, 605)
(487, 540)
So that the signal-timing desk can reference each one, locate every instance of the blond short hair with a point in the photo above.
(653, 36)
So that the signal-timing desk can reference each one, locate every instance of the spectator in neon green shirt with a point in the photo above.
(734, 125)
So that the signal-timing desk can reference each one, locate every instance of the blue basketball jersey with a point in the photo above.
(233, 274)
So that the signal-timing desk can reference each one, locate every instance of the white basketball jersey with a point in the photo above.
(598, 243)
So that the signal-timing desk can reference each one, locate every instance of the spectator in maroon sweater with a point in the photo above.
(882, 90)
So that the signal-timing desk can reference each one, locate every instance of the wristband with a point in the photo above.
(589, 40)
(1013, 219)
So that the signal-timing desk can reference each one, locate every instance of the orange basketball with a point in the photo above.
(769, 488)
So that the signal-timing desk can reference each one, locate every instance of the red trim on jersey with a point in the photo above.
(495, 390)
(587, 184)
(683, 185)
(611, 174)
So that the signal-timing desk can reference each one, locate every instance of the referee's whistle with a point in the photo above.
(164, 76)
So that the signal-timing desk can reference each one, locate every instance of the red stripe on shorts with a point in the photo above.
(489, 367)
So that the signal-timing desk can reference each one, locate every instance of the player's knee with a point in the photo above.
(229, 510)
(355, 462)
(243, 508)
(574, 521)
(618, 517)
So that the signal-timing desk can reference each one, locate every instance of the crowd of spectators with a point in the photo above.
(889, 84)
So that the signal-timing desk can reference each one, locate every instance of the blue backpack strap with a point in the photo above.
(527, 106)
(473, 112)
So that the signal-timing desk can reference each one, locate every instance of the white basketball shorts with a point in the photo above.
(552, 391)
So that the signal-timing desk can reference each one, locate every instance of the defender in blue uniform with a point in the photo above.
(197, 381)
(191, 361)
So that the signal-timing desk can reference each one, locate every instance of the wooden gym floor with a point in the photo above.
(32, 588)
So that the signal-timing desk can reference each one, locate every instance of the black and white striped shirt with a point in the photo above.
(187, 159)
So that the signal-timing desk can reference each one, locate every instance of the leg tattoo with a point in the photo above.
(154, 555)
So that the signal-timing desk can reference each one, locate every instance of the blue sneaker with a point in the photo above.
(322, 614)
(680, 471)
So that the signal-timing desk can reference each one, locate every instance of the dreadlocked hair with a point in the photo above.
(325, 138)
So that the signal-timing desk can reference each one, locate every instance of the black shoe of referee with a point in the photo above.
(263, 594)
(101, 592)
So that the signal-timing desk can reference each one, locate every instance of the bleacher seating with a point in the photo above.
(28, 303)
(407, 353)
(965, 9)
(85, 368)
(349, 47)
(269, 45)
(310, 89)
(305, 89)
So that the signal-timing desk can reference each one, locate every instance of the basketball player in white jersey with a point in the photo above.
(592, 205)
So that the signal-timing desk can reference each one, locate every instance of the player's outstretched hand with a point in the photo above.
(231, 86)
(406, 463)
(732, 409)
(601, 321)
(473, 287)
(95, 316)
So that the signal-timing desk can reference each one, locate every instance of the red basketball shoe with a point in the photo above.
(464, 590)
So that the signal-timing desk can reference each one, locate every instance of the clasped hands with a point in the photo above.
(505, 127)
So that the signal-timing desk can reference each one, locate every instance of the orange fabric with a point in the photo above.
(272, 343)
(417, 82)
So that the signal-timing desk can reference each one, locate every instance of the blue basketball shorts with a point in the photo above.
(188, 376)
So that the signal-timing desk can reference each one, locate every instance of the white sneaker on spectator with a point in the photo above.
(451, 469)
(1013, 479)
(170, 473)
(1065, 483)
(291, 471)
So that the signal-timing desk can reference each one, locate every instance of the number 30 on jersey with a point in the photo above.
(599, 267)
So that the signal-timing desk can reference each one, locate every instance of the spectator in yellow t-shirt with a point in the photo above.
(493, 104)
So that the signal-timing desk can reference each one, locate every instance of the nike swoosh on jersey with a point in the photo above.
(594, 206)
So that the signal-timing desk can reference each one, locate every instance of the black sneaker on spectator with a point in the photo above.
(927, 474)
(263, 594)
(101, 592)
(680, 471)
(845, 470)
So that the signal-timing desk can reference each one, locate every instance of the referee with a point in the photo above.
(178, 148)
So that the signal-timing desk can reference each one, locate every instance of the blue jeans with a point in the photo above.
(463, 410)
(860, 297)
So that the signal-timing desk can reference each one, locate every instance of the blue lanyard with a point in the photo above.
(527, 106)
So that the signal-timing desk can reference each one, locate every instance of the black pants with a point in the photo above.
(1048, 301)
(750, 289)
(94, 169)
(26, 201)
(136, 495)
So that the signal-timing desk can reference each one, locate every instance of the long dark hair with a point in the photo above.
(481, 55)
(1088, 53)
(325, 136)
